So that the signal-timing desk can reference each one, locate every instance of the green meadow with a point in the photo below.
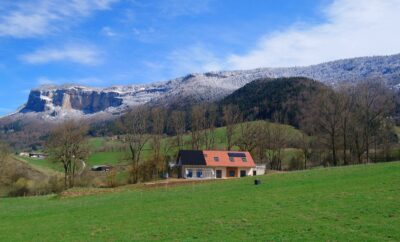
(354, 203)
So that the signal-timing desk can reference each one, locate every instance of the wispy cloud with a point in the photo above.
(352, 28)
(46, 81)
(87, 81)
(40, 17)
(176, 8)
(108, 31)
(145, 34)
(196, 58)
(81, 54)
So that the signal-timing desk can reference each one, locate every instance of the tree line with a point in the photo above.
(352, 124)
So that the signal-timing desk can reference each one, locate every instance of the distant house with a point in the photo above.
(210, 164)
(101, 168)
(24, 154)
(40, 156)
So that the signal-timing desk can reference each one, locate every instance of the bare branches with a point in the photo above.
(349, 119)
(158, 119)
(135, 125)
(68, 144)
(178, 124)
(198, 125)
(232, 116)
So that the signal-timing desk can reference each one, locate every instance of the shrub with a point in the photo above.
(19, 188)
(111, 178)
(296, 163)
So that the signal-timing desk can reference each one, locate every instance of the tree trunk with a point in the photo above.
(345, 162)
(333, 147)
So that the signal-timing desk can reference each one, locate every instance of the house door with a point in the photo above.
(242, 173)
(254, 173)
(219, 173)
(231, 172)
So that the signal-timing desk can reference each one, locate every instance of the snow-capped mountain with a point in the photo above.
(58, 102)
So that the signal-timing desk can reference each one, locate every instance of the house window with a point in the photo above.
(189, 173)
(199, 173)
(231, 159)
(232, 173)
(216, 158)
(242, 173)
(244, 159)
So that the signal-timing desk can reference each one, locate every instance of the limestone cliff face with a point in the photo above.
(66, 99)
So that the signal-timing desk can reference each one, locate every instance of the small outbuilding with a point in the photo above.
(101, 168)
(40, 156)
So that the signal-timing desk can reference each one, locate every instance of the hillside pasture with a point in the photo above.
(354, 203)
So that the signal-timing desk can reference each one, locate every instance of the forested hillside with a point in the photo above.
(280, 99)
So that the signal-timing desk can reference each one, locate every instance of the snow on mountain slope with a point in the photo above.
(58, 102)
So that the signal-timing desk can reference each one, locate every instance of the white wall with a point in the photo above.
(249, 171)
(208, 172)
(261, 169)
(212, 170)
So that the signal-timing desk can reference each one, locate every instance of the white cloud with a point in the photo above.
(41, 17)
(352, 28)
(74, 53)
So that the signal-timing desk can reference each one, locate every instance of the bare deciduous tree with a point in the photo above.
(345, 104)
(198, 126)
(247, 136)
(232, 116)
(209, 129)
(385, 138)
(373, 103)
(304, 142)
(135, 124)
(68, 144)
(278, 137)
(179, 126)
(322, 118)
(158, 116)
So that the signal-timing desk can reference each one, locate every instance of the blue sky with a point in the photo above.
(112, 42)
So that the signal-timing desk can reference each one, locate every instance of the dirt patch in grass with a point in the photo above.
(78, 192)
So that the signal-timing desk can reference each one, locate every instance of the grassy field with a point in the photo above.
(43, 163)
(356, 203)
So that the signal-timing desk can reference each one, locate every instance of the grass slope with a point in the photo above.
(357, 203)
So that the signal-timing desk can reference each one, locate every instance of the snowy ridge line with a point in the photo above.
(58, 102)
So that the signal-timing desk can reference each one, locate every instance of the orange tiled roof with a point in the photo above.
(228, 158)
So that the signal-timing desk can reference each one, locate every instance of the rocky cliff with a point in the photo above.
(88, 101)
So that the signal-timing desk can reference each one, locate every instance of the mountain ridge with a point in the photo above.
(60, 102)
